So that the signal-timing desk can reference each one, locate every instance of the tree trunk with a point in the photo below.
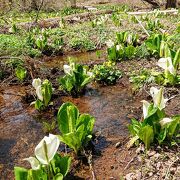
(73, 3)
(154, 3)
(34, 5)
(171, 4)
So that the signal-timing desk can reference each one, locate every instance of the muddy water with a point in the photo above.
(18, 130)
(83, 58)
(112, 106)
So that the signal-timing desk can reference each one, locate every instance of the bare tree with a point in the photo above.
(73, 3)
(34, 5)
(171, 4)
(156, 3)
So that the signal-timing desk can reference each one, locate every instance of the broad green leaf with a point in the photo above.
(37, 175)
(74, 139)
(20, 173)
(88, 122)
(134, 127)
(61, 164)
(174, 126)
(162, 135)
(129, 51)
(146, 134)
(112, 53)
(67, 116)
(38, 104)
(58, 176)
(67, 83)
(21, 73)
(64, 165)
(46, 91)
(176, 60)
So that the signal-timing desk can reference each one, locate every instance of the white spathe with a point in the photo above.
(129, 39)
(145, 108)
(90, 74)
(67, 69)
(166, 64)
(109, 43)
(36, 83)
(118, 47)
(39, 93)
(165, 121)
(35, 165)
(158, 97)
(47, 148)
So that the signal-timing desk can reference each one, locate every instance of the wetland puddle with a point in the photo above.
(83, 58)
(112, 106)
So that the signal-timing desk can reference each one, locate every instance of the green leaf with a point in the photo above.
(173, 127)
(37, 175)
(176, 60)
(61, 164)
(88, 122)
(162, 135)
(64, 165)
(146, 134)
(46, 91)
(67, 116)
(112, 54)
(129, 51)
(154, 115)
(73, 139)
(58, 176)
(67, 83)
(86, 81)
(76, 130)
(77, 81)
(134, 127)
(20, 73)
(20, 173)
(38, 104)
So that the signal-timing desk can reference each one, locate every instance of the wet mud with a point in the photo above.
(112, 106)
(87, 58)
(19, 132)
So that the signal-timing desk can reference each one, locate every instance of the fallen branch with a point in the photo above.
(54, 22)
(130, 162)
(142, 26)
(151, 12)
(90, 162)
(166, 177)
(9, 57)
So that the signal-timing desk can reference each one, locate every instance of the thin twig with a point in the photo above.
(167, 172)
(9, 57)
(151, 12)
(130, 162)
(142, 25)
(89, 157)
(38, 11)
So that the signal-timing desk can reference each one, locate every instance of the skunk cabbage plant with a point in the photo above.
(76, 129)
(46, 164)
(43, 92)
(76, 78)
(155, 126)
